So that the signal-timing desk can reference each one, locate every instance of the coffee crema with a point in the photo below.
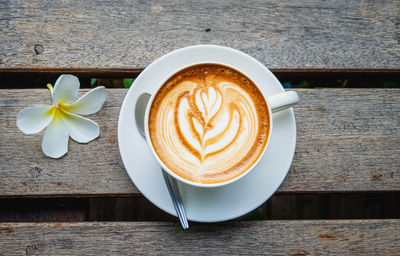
(209, 123)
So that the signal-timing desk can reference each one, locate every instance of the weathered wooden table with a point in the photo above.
(348, 139)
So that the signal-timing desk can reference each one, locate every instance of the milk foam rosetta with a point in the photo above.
(209, 123)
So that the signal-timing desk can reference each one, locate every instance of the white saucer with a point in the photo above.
(207, 204)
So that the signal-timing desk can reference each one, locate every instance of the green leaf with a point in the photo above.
(128, 82)
(257, 214)
(92, 82)
(303, 84)
(391, 84)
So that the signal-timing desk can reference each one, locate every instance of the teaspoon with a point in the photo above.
(170, 182)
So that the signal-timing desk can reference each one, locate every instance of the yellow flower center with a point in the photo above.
(56, 111)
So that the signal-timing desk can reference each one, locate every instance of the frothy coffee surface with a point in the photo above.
(209, 123)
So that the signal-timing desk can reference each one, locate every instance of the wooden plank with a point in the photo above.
(348, 140)
(314, 237)
(124, 36)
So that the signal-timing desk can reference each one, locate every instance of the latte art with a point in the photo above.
(208, 123)
(204, 124)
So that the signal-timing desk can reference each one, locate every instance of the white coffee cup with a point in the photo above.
(250, 67)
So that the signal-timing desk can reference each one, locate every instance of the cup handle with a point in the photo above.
(140, 110)
(283, 101)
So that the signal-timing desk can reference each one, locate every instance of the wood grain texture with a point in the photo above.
(128, 35)
(336, 237)
(347, 140)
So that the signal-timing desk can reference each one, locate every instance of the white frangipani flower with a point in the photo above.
(62, 119)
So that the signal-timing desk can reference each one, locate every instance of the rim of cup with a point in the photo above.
(194, 63)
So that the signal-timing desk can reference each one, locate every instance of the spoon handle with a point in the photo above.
(173, 190)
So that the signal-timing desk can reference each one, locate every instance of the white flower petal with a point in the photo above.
(55, 140)
(34, 119)
(80, 128)
(65, 89)
(89, 103)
